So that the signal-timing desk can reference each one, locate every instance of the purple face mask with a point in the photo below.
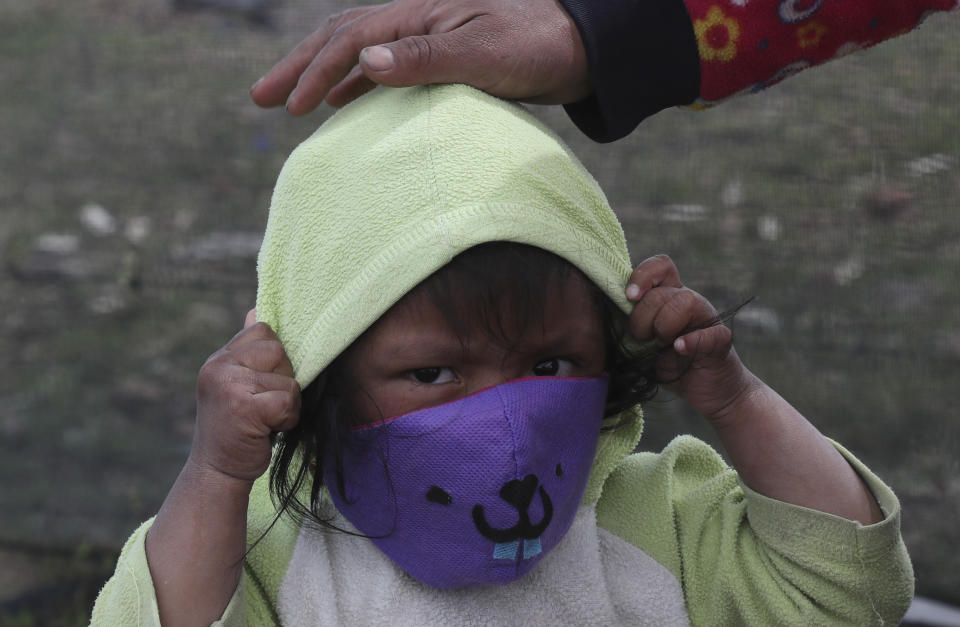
(476, 491)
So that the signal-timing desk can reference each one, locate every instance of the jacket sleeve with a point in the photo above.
(743, 558)
(646, 55)
(129, 598)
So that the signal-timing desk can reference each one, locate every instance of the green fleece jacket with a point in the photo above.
(383, 194)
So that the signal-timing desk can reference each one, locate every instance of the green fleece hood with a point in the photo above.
(394, 186)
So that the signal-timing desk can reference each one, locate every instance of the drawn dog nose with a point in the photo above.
(519, 492)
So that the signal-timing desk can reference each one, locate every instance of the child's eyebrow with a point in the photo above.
(429, 348)
(412, 348)
(579, 330)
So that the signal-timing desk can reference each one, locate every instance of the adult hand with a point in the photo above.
(527, 51)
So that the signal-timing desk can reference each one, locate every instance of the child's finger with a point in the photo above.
(251, 318)
(712, 342)
(278, 410)
(655, 271)
(263, 355)
(683, 310)
(644, 314)
(273, 381)
(666, 313)
(252, 333)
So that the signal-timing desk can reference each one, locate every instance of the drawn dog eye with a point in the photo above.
(437, 494)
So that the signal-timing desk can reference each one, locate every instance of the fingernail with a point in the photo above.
(260, 80)
(633, 290)
(377, 58)
(679, 345)
(290, 100)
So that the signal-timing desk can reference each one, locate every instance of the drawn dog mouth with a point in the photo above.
(518, 493)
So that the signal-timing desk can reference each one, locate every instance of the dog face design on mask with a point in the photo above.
(476, 491)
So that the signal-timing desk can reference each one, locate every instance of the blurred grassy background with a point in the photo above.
(134, 184)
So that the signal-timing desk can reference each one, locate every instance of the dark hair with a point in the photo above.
(474, 287)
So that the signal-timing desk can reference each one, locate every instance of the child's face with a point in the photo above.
(413, 359)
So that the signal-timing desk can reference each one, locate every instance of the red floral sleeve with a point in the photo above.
(747, 45)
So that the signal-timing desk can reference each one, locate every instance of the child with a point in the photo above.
(454, 296)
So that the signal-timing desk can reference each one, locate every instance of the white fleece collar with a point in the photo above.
(591, 578)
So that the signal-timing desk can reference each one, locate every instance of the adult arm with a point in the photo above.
(612, 63)
(646, 55)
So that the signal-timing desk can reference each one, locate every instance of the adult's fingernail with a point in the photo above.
(254, 86)
(633, 290)
(377, 58)
(680, 345)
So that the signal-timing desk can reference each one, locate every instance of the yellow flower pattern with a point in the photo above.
(810, 34)
(748, 45)
(717, 36)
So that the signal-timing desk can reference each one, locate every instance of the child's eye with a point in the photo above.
(552, 368)
(432, 375)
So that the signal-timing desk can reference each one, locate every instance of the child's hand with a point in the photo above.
(698, 361)
(245, 392)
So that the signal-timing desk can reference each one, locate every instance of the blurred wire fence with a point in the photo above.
(133, 190)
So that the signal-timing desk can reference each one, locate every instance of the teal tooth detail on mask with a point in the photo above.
(531, 548)
(508, 550)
